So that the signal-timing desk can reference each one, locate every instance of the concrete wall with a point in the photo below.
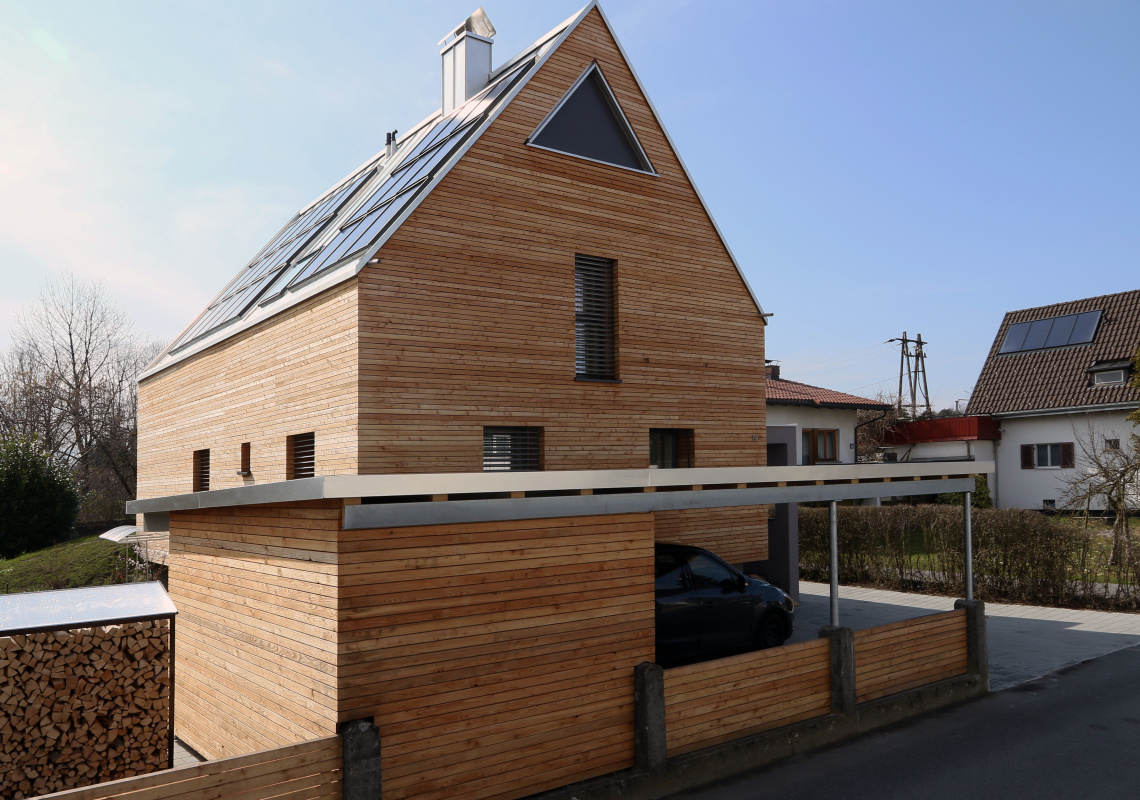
(842, 419)
(1027, 488)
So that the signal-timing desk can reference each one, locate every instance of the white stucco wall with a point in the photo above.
(841, 419)
(1028, 488)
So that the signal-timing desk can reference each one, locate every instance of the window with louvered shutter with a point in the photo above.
(595, 355)
(301, 456)
(512, 449)
(201, 470)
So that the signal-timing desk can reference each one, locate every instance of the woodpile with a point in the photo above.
(83, 706)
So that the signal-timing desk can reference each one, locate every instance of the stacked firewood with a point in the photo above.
(83, 706)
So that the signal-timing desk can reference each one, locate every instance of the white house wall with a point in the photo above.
(1028, 488)
(841, 419)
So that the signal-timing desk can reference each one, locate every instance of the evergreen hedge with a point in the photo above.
(38, 498)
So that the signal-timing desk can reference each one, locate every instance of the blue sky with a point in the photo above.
(876, 166)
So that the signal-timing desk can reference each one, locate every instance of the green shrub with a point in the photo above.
(1019, 555)
(38, 498)
(980, 498)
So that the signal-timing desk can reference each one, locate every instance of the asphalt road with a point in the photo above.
(1073, 735)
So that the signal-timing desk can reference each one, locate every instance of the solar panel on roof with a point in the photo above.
(1042, 334)
(350, 218)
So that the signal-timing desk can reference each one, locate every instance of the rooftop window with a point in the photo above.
(1043, 334)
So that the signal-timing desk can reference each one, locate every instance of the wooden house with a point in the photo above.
(522, 298)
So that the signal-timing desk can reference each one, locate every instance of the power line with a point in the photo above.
(810, 366)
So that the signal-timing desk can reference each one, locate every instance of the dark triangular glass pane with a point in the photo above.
(586, 125)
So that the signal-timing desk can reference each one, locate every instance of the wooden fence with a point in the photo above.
(902, 655)
(310, 770)
(720, 700)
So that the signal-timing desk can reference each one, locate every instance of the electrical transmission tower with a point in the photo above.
(912, 375)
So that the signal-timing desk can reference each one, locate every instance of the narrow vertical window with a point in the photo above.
(245, 460)
(513, 449)
(300, 456)
(670, 448)
(201, 470)
(595, 356)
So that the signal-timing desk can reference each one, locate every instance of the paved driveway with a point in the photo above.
(1025, 642)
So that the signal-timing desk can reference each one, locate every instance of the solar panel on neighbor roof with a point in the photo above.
(1042, 334)
(83, 608)
(304, 249)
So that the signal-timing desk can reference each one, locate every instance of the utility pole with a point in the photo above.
(912, 375)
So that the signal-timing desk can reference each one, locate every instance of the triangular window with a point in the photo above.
(587, 122)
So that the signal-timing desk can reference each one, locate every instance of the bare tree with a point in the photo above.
(69, 377)
(1107, 476)
(873, 425)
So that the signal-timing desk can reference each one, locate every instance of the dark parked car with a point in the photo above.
(706, 608)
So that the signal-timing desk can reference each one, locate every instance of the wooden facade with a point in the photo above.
(293, 374)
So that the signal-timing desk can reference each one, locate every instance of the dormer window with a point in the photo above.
(1109, 373)
(1112, 377)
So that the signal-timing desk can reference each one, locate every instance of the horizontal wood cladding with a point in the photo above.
(497, 658)
(256, 590)
(310, 770)
(735, 534)
(717, 701)
(470, 321)
(293, 374)
(902, 655)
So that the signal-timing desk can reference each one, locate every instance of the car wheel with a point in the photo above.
(770, 631)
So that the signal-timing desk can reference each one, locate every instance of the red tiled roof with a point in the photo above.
(790, 393)
(1059, 378)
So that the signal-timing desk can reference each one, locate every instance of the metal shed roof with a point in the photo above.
(61, 609)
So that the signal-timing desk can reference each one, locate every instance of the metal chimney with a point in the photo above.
(466, 60)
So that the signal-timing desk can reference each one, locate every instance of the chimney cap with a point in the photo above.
(478, 23)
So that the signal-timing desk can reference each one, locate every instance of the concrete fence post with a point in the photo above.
(842, 668)
(360, 778)
(977, 650)
(648, 717)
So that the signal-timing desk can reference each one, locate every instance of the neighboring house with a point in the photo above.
(1058, 380)
(824, 421)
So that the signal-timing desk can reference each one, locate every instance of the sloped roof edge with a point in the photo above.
(680, 160)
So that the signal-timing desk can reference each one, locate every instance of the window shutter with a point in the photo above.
(594, 317)
(1067, 460)
(1027, 456)
(300, 456)
(512, 449)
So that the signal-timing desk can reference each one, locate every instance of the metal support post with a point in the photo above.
(968, 527)
(833, 539)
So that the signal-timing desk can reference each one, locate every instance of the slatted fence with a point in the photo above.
(902, 655)
(716, 701)
(306, 771)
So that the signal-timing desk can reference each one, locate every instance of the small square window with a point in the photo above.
(819, 446)
(512, 449)
(670, 448)
(1112, 444)
(300, 456)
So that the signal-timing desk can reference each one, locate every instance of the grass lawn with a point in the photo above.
(89, 561)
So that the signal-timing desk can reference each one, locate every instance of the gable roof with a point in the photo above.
(1058, 377)
(782, 392)
(331, 239)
